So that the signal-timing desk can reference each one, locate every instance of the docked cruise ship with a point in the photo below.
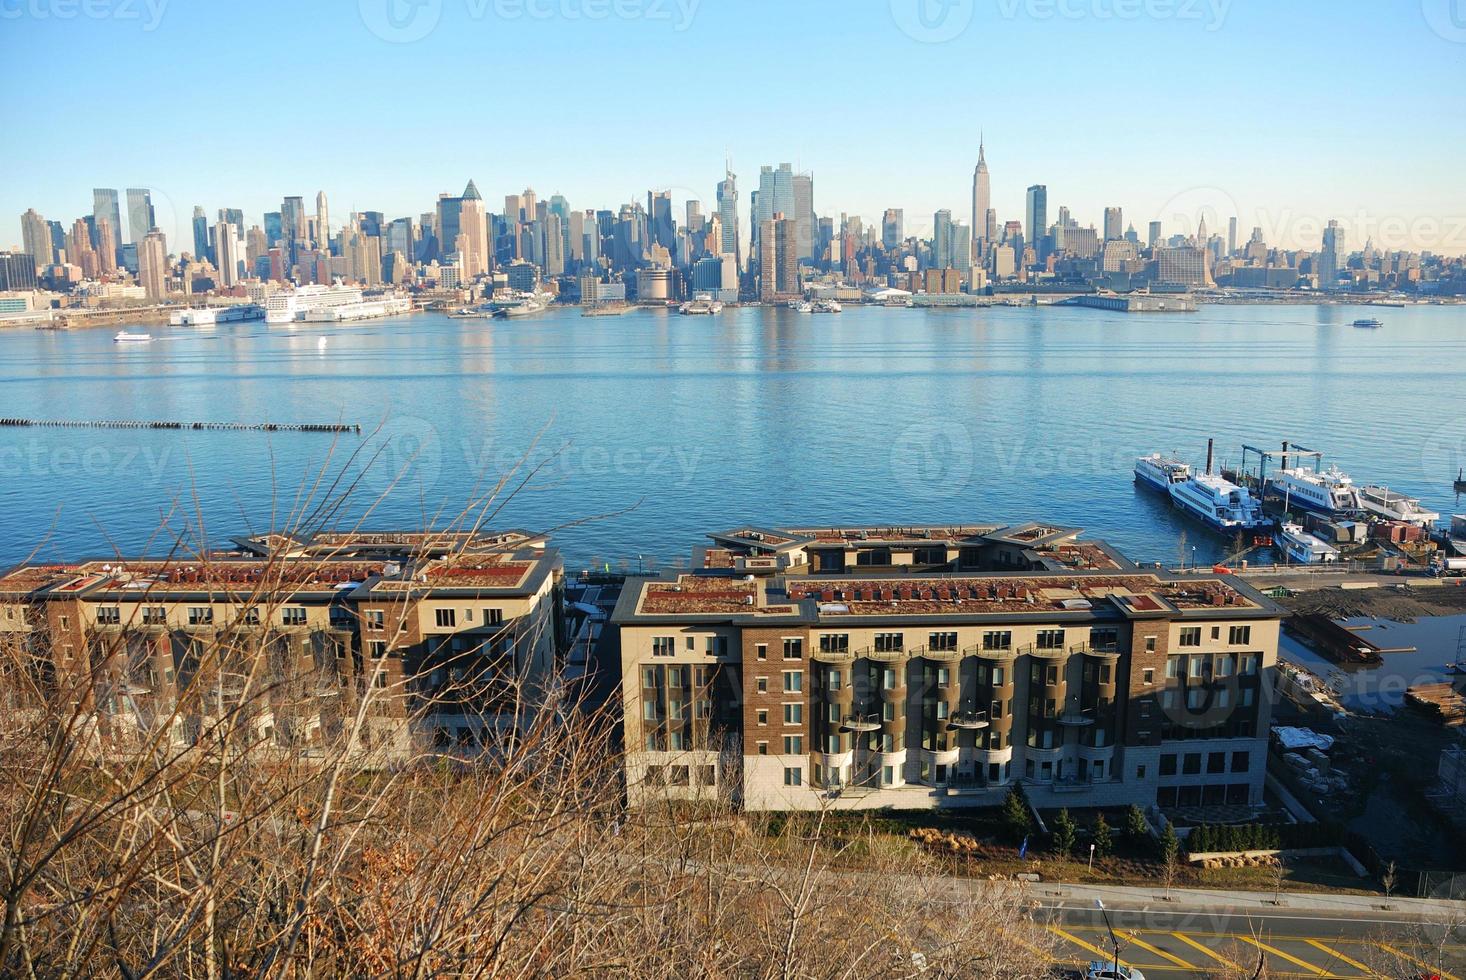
(1396, 506)
(1303, 548)
(288, 306)
(369, 309)
(1329, 492)
(208, 315)
(1218, 502)
(1160, 472)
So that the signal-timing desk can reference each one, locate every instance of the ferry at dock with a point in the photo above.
(208, 315)
(1328, 492)
(1393, 506)
(1219, 503)
(1302, 548)
(1159, 472)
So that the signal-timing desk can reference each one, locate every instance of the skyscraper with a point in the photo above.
(1036, 214)
(201, 249)
(140, 217)
(982, 197)
(728, 214)
(664, 225)
(942, 239)
(473, 223)
(104, 207)
(1232, 236)
(36, 238)
(803, 215)
(292, 228)
(1114, 224)
(323, 221)
(893, 229)
(1153, 235)
(1331, 259)
(230, 250)
(775, 195)
(152, 264)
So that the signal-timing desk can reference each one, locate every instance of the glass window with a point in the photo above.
(662, 646)
(1191, 764)
(446, 618)
(890, 642)
(794, 714)
(1239, 636)
(942, 641)
(1168, 765)
(1050, 639)
(793, 744)
(793, 648)
(793, 776)
(834, 642)
(1190, 636)
(793, 681)
(997, 640)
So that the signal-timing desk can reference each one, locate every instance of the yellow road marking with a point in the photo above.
(1342, 958)
(1418, 962)
(1209, 952)
(1279, 953)
(1157, 950)
(1107, 955)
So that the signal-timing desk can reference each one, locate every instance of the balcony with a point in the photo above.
(1104, 651)
(938, 656)
(861, 723)
(841, 657)
(884, 656)
(1077, 719)
(1002, 653)
(969, 720)
(1046, 653)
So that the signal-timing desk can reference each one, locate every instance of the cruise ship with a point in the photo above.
(509, 303)
(701, 305)
(208, 315)
(1159, 472)
(369, 309)
(1394, 506)
(1218, 502)
(1303, 548)
(288, 306)
(1329, 492)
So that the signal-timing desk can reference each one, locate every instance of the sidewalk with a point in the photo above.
(1154, 899)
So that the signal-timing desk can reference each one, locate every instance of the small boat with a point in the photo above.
(1303, 548)
(1159, 472)
(132, 338)
(802, 306)
(1396, 506)
(1368, 324)
(828, 306)
(702, 304)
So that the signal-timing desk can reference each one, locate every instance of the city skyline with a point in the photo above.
(1264, 149)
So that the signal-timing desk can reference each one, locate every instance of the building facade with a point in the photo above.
(930, 667)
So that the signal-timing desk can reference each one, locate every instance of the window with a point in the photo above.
(1191, 764)
(1104, 638)
(942, 641)
(1226, 665)
(1168, 765)
(794, 713)
(376, 648)
(1216, 632)
(445, 618)
(656, 776)
(763, 748)
(1241, 761)
(200, 615)
(1249, 664)
(833, 680)
(793, 776)
(997, 640)
(664, 646)
(1147, 676)
(295, 615)
(1150, 644)
(793, 648)
(1190, 636)
(717, 646)
(763, 716)
(1140, 771)
(648, 711)
(1239, 636)
(888, 680)
(890, 642)
(761, 651)
(154, 616)
(648, 677)
(1216, 762)
(1050, 639)
(888, 775)
(707, 775)
(251, 616)
(762, 685)
(793, 744)
(691, 643)
(834, 643)
(109, 615)
(493, 617)
(677, 775)
(793, 681)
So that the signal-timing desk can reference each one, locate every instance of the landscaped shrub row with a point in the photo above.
(1208, 839)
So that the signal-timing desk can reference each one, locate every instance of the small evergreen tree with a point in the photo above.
(1016, 819)
(1169, 846)
(1136, 829)
(1104, 844)
(1066, 834)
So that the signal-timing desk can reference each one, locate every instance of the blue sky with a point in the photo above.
(1285, 113)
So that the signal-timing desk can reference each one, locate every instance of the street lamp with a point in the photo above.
(1099, 904)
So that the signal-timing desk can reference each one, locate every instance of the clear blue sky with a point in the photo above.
(1288, 113)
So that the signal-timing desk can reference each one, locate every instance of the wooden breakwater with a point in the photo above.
(332, 427)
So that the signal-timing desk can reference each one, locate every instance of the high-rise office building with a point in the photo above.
(1036, 213)
(1232, 236)
(105, 207)
(106, 254)
(473, 224)
(1114, 224)
(323, 221)
(554, 245)
(152, 264)
(893, 229)
(1153, 235)
(775, 194)
(292, 229)
(1332, 258)
(663, 224)
(230, 249)
(942, 239)
(35, 237)
(982, 198)
(17, 272)
(804, 220)
(201, 249)
(728, 214)
(140, 216)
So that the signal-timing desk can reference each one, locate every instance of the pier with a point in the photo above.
(1335, 642)
(331, 427)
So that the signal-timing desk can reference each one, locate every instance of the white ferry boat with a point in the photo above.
(1396, 506)
(701, 305)
(1302, 548)
(1369, 324)
(1159, 472)
(1218, 502)
(288, 306)
(1329, 492)
(366, 310)
(828, 306)
(132, 338)
(207, 315)
(509, 303)
(801, 306)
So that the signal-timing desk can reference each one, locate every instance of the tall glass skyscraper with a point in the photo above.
(105, 208)
(728, 214)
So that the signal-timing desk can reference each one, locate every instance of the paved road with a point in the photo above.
(1166, 944)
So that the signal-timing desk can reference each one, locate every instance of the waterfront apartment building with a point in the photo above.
(938, 666)
(443, 636)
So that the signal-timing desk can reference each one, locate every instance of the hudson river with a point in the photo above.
(653, 428)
